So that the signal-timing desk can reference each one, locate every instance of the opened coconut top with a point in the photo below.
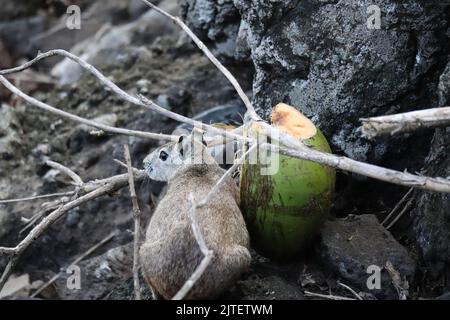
(291, 121)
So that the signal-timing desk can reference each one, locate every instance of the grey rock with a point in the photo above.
(349, 246)
(431, 213)
(321, 57)
(444, 87)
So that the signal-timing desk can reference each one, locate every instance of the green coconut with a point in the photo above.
(284, 211)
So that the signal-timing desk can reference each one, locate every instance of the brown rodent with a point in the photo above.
(170, 253)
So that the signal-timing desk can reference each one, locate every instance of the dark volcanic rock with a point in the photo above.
(269, 288)
(351, 245)
(431, 215)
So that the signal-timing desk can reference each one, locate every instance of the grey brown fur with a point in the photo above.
(171, 254)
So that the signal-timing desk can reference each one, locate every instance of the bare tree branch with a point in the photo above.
(78, 119)
(7, 272)
(44, 196)
(405, 209)
(405, 122)
(208, 254)
(96, 189)
(297, 149)
(76, 261)
(250, 109)
(325, 296)
(397, 206)
(141, 101)
(350, 289)
(137, 224)
(369, 170)
(216, 187)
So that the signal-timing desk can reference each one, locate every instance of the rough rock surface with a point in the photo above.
(431, 214)
(351, 245)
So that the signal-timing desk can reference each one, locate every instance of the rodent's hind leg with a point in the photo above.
(236, 260)
(150, 266)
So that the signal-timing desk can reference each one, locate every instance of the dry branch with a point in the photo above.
(92, 189)
(405, 209)
(137, 224)
(216, 187)
(290, 147)
(405, 122)
(7, 272)
(44, 196)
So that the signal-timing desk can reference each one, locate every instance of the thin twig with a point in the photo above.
(397, 206)
(406, 122)
(350, 289)
(208, 254)
(76, 261)
(44, 196)
(75, 177)
(137, 224)
(250, 109)
(401, 213)
(67, 115)
(326, 296)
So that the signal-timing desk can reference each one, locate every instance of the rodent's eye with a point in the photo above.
(163, 155)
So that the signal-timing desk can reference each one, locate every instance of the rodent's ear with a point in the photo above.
(204, 141)
(199, 135)
(183, 145)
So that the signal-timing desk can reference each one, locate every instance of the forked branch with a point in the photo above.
(405, 122)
